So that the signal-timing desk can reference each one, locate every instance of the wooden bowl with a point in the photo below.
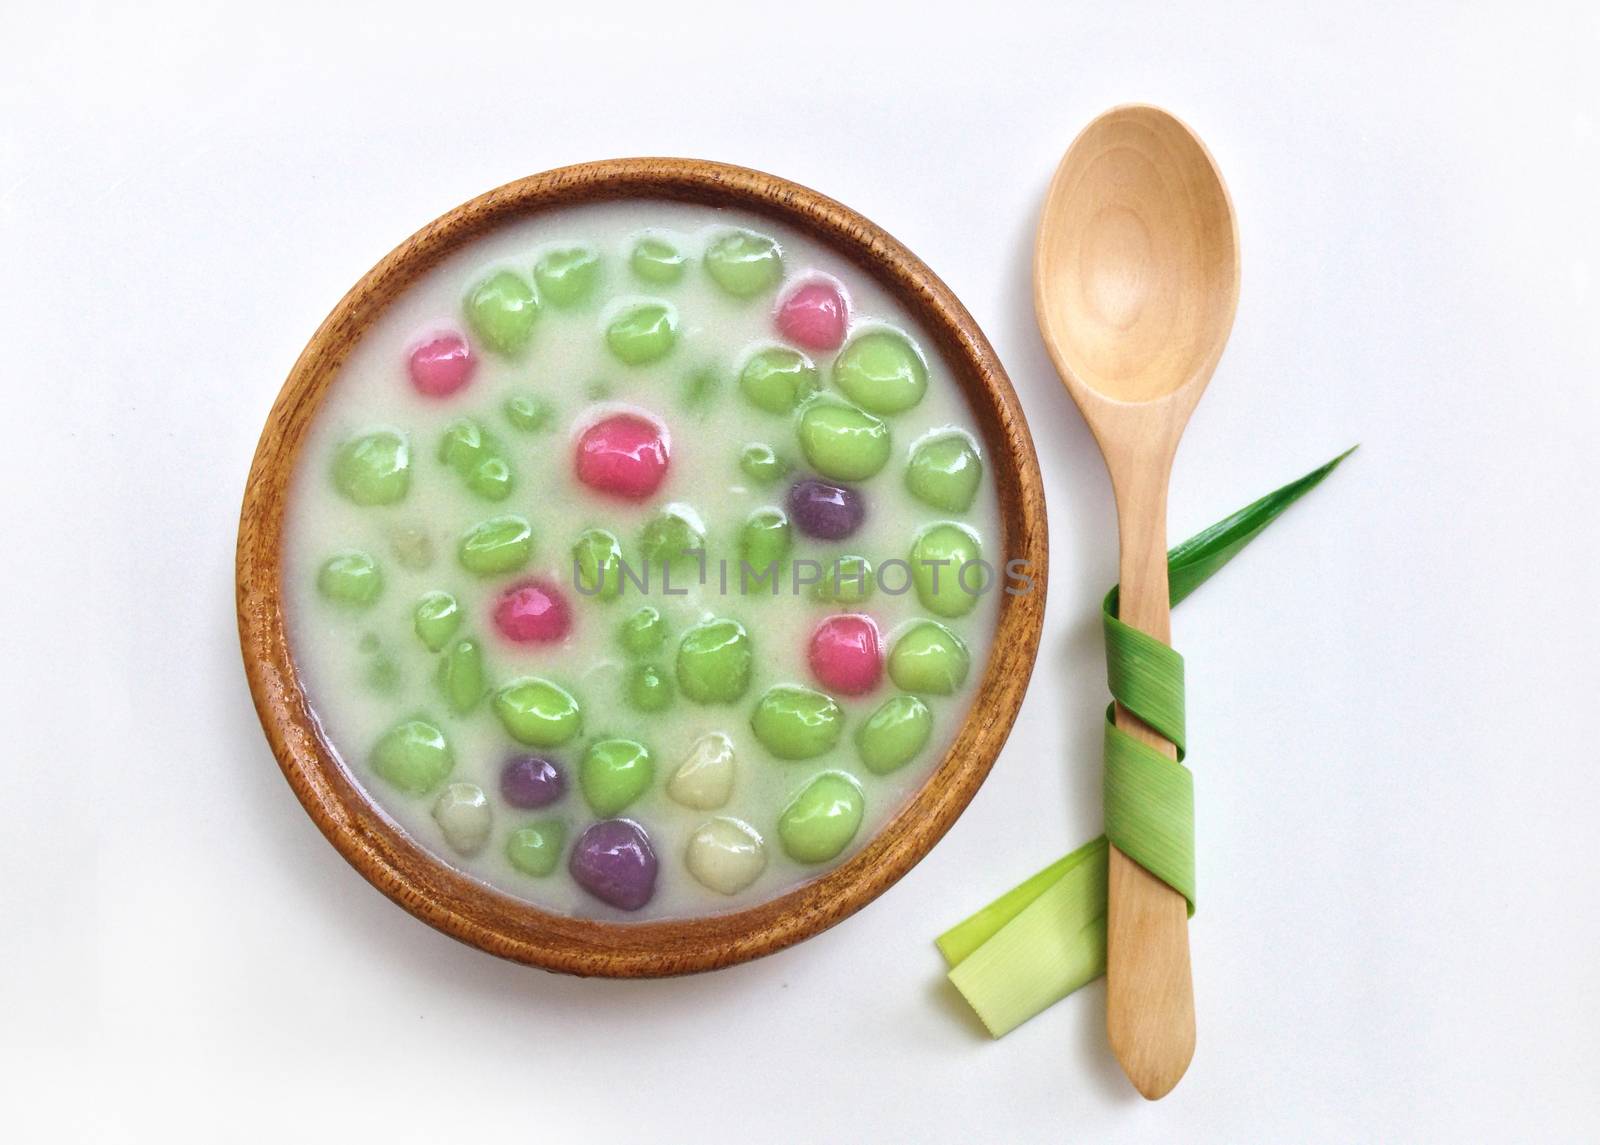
(467, 909)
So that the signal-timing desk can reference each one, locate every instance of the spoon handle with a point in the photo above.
(1149, 990)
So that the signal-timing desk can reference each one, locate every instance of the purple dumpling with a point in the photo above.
(531, 781)
(613, 861)
(824, 510)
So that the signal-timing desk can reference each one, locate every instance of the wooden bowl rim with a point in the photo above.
(469, 910)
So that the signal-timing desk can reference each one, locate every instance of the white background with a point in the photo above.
(1393, 693)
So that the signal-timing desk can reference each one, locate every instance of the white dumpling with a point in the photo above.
(704, 780)
(462, 812)
(726, 855)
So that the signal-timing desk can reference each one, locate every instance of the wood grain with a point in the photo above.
(510, 928)
(1136, 280)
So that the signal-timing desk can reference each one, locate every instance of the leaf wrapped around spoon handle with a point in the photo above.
(1149, 987)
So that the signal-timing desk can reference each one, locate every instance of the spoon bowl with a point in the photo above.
(1137, 262)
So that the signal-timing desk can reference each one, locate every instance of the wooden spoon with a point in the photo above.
(1135, 282)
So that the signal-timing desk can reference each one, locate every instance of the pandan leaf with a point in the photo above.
(1046, 937)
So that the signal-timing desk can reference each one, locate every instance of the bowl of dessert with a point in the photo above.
(641, 567)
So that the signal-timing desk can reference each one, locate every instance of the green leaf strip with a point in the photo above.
(1045, 938)
(1145, 675)
(1149, 810)
(1034, 945)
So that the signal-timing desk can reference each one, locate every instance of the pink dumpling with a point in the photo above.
(532, 612)
(846, 654)
(624, 455)
(442, 365)
(814, 315)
